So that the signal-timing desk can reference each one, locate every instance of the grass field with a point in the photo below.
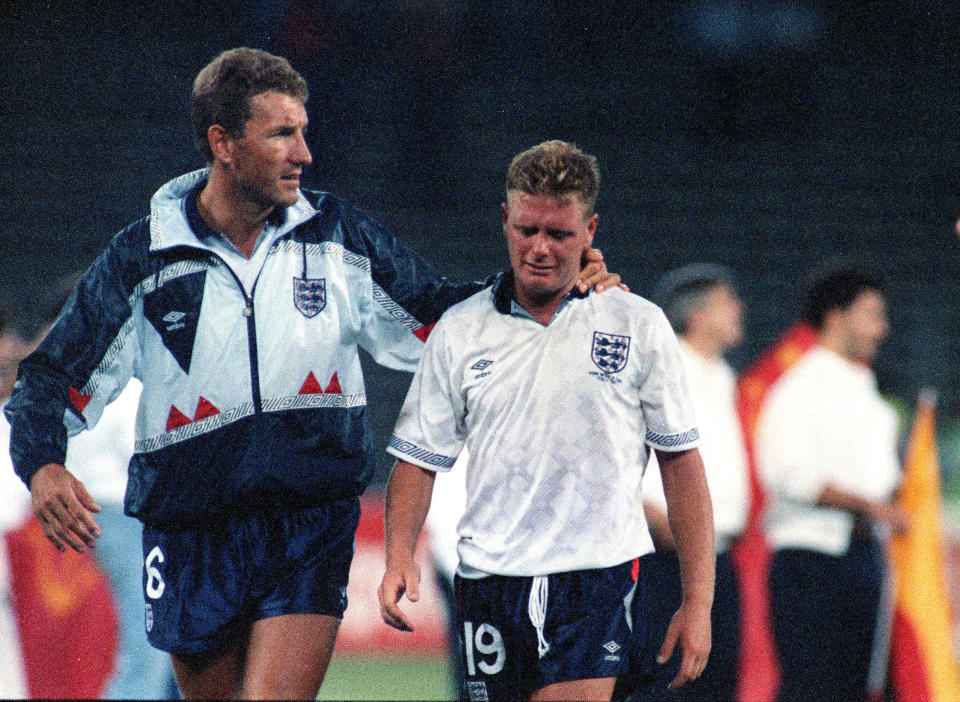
(380, 678)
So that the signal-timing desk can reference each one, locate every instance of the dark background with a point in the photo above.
(762, 135)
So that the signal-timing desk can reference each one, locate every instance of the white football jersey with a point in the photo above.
(558, 421)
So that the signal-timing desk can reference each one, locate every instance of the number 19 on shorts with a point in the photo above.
(484, 649)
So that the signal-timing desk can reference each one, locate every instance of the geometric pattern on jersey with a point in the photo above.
(610, 351)
(414, 451)
(181, 428)
(555, 441)
(670, 440)
(173, 309)
(311, 386)
(310, 295)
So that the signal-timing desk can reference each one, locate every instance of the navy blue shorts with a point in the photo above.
(204, 587)
(659, 594)
(519, 634)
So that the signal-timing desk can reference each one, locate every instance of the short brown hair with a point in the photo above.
(555, 168)
(223, 89)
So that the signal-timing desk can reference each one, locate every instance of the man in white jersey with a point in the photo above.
(826, 447)
(702, 305)
(558, 398)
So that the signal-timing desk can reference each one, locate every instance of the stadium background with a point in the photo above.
(763, 135)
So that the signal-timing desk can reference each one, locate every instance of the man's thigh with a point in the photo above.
(287, 656)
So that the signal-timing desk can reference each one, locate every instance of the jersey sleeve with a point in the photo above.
(665, 399)
(429, 431)
(82, 364)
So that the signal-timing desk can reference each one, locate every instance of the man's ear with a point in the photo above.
(592, 228)
(219, 140)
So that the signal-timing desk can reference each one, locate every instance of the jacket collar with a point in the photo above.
(174, 220)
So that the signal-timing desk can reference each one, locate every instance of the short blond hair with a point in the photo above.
(555, 168)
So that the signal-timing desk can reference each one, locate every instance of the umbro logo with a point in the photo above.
(612, 646)
(481, 365)
(174, 320)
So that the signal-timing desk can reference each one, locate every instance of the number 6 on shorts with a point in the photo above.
(155, 584)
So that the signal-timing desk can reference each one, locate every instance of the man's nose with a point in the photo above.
(301, 153)
(540, 244)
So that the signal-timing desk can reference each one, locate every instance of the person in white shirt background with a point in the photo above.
(826, 449)
(702, 305)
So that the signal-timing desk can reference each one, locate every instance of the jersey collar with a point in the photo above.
(505, 303)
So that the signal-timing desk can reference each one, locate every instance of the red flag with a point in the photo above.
(66, 616)
(759, 675)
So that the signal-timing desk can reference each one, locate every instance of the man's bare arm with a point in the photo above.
(690, 514)
(878, 511)
(408, 501)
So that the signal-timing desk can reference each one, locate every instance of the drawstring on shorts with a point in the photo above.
(537, 609)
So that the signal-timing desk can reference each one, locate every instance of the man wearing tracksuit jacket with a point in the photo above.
(240, 303)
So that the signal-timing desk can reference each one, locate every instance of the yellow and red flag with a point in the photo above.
(759, 675)
(66, 616)
(923, 661)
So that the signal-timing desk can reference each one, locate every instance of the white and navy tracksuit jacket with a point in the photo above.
(253, 398)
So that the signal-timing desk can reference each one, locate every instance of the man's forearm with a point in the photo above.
(408, 501)
(874, 510)
(690, 514)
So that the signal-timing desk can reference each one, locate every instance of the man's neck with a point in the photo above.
(835, 342)
(704, 346)
(240, 221)
(541, 309)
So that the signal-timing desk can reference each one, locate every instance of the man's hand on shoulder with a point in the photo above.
(594, 273)
(64, 508)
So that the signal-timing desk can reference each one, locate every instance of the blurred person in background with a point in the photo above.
(701, 303)
(826, 449)
(240, 304)
(14, 509)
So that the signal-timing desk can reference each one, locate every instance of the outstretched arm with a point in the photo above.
(691, 522)
(408, 500)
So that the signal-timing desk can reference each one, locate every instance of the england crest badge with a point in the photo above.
(610, 351)
(310, 295)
